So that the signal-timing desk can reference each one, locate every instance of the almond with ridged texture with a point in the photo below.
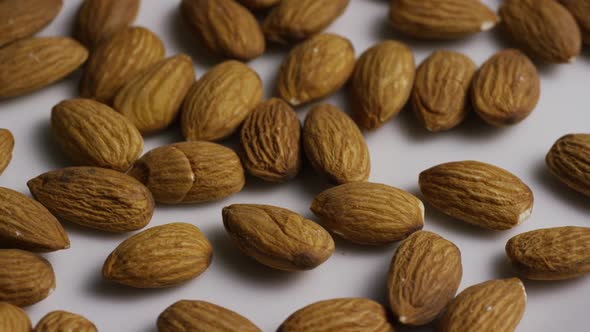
(270, 141)
(218, 102)
(93, 134)
(568, 161)
(34, 63)
(152, 99)
(190, 172)
(259, 4)
(94, 197)
(440, 97)
(335, 146)
(30, 278)
(580, 9)
(423, 278)
(369, 213)
(381, 83)
(23, 18)
(6, 147)
(13, 318)
(315, 69)
(506, 88)
(492, 306)
(552, 253)
(544, 28)
(116, 61)
(477, 193)
(161, 256)
(99, 19)
(62, 321)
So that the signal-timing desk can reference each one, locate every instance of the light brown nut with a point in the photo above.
(225, 28)
(29, 279)
(93, 134)
(270, 142)
(315, 69)
(116, 61)
(23, 18)
(13, 318)
(506, 88)
(277, 237)
(477, 193)
(161, 256)
(492, 306)
(99, 19)
(568, 161)
(152, 99)
(95, 197)
(190, 172)
(61, 321)
(440, 97)
(580, 9)
(544, 28)
(6, 147)
(441, 19)
(259, 4)
(295, 20)
(423, 278)
(34, 63)
(335, 146)
(552, 253)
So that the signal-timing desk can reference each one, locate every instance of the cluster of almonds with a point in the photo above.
(129, 89)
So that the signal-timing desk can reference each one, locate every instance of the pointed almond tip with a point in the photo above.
(487, 25)
(572, 59)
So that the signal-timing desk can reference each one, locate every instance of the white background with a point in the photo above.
(399, 151)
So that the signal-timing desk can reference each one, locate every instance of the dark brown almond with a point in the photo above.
(100, 19)
(569, 161)
(23, 18)
(14, 319)
(6, 147)
(29, 280)
(63, 321)
(580, 9)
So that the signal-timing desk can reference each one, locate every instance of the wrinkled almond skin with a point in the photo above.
(218, 102)
(190, 172)
(29, 279)
(99, 19)
(369, 213)
(436, 19)
(295, 20)
(544, 28)
(58, 321)
(381, 83)
(580, 9)
(6, 147)
(14, 319)
(315, 69)
(568, 161)
(201, 316)
(161, 256)
(506, 88)
(342, 315)
(225, 27)
(259, 4)
(492, 306)
(94, 197)
(440, 97)
(270, 142)
(152, 99)
(34, 63)
(93, 134)
(552, 253)
(23, 18)
(277, 237)
(423, 278)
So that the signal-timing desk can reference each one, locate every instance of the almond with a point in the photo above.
(161, 256)
(23, 18)
(94, 197)
(190, 172)
(6, 147)
(315, 69)
(477, 193)
(100, 19)
(580, 9)
(259, 4)
(57, 321)
(369, 213)
(14, 319)
(568, 161)
(29, 279)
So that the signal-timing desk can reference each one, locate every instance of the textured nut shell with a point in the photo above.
(99, 19)
(152, 99)
(34, 63)
(6, 147)
(369, 213)
(23, 18)
(58, 321)
(190, 172)
(478, 193)
(423, 278)
(94, 197)
(580, 9)
(270, 142)
(506, 88)
(161, 256)
(492, 306)
(551, 253)
(259, 4)
(93, 134)
(218, 102)
(440, 97)
(14, 319)
(29, 279)
(568, 161)
(315, 69)
(381, 83)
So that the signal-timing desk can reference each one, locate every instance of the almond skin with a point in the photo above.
(423, 278)
(580, 9)
(259, 4)
(477, 193)
(95, 197)
(14, 319)
(57, 321)
(23, 18)
(29, 279)
(6, 147)
(567, 160)
(161, 256)
(190, 172)
(99, 19)
(552, 253)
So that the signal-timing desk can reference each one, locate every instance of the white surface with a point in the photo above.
(399, 151)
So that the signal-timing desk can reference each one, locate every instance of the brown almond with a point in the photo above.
(259, 4)
(23, 18)
(6, 147)
(13, 318)
(580, 9)
(568, 161)
(29, 279)
(58, 321)
(99, 19)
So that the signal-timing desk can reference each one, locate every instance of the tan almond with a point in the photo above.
(568, 161)
(58, 321)
(6, 147)
(13, 318)
(580, 9)
(259, 4)
(23, 18)
(99, 19)
(30, 278)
